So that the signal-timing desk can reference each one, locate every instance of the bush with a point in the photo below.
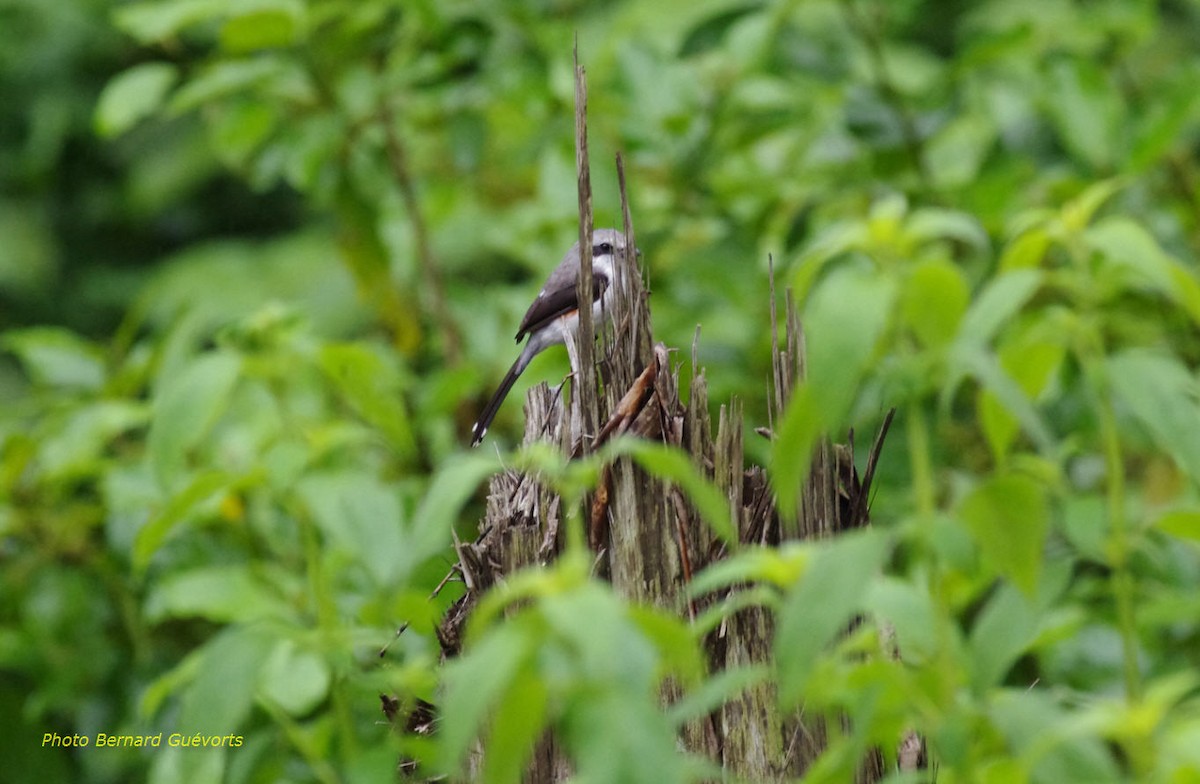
(255, 285)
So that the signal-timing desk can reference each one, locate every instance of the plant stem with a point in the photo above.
(1122, 580)
(435, 290)
(921, 462)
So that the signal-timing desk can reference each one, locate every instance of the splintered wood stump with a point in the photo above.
(648, 539)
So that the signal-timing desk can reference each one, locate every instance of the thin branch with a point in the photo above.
(628, 308)
(430, 273)
(587, 386)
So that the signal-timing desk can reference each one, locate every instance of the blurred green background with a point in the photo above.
(260, 263)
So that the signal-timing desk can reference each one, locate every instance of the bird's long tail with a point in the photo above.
(479, 430)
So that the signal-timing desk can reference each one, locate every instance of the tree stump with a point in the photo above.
(649, 541)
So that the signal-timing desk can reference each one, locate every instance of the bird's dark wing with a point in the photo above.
(557, 301)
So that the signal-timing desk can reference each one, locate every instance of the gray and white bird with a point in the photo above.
(555, 313)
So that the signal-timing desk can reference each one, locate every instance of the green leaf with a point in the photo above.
(154, 22)
(1162, 394)
(360, 515)
(171, 682)
(262, 24)
(1084, 522)
(202, 487)
(222, 694)
(791, 453)
(1077, 213)
(1009, 517)
(957, 151)
(885, 225)
(933, 301)
(128, 491)
(1006, 392)
(707, 33)
(1049, 740)
(1026, 250)
(570, 646)
(716, 690)
(998, 302)
(264, 73)
(998, 424)
(374, 387)
(844, 321)
(1005, 628)
(673, 641)
(518, 723)
(733, 602)
(929, 224)
(186, 408)
(833, 241)
(640, 745)
(1031, 360)
(1184, 523)
(1085, 109)
(222, 594)
(570, 571)
(1129, 246)
(56, 357)
(781, 565)
(294, 679)
(969, 355)
(1161, 128)
(908, 608)
(603, 643)
(242, 129)
(133, 95)
(474, 682)
(79, 444)
(822, 603)
(450, 489)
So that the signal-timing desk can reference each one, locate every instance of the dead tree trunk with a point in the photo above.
(648, 539)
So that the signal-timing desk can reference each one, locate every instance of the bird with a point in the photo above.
(554, 313)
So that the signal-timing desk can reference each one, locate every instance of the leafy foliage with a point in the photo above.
(259, 260)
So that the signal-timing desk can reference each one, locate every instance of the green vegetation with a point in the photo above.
(260, 261)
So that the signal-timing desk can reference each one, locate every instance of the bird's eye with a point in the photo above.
(604, 249)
